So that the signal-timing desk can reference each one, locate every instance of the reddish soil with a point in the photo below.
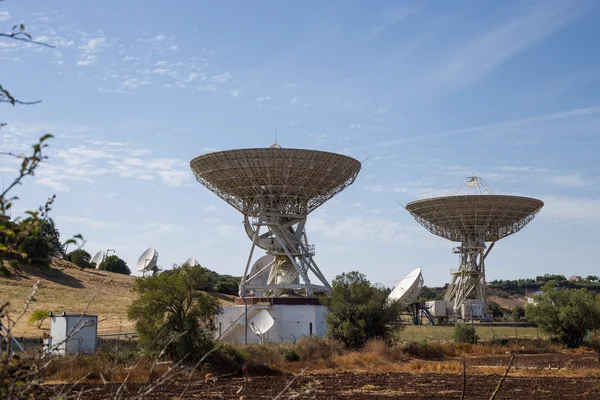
(361, 386)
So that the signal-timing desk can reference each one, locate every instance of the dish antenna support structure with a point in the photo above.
(275, 189)
(473, 219)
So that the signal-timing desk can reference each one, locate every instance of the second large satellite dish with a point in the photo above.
(408, 289)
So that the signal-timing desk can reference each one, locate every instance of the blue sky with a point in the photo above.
(427, 92)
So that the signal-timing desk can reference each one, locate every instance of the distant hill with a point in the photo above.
(65, 287)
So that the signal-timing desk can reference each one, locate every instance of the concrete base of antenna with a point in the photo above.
(294, 317)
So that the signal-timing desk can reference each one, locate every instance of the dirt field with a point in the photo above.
(366, 386)
(543, 376)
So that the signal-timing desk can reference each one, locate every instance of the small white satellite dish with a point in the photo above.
(261, 324)
(191, 262)
(408, 289)
(148, 260)
(98, 259)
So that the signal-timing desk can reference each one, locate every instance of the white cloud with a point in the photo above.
(234, 93)
(262, 99)
(88, 222)
(570, 208)
(90, 49)
(485, 52)
(572, 180)
(4, 15)
(210, 207)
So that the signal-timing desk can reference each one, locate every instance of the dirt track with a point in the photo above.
(369, 386)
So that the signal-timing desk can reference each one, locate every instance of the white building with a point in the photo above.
(72, 334)
(294, 317)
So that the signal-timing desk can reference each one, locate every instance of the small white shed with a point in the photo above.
(72, 334)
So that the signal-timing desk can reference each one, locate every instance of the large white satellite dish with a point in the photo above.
(261, 324)
(148, 260)
(408, 289)
(98, 259)
(259, 273)
(192, 262)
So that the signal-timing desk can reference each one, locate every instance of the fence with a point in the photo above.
(122, 341)
(486, 333)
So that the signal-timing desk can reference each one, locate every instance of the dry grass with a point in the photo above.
(65, 287)
(439, 350)
(429, 333)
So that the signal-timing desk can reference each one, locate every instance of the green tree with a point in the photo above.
(568, 314)
(592, 278)
(495, 310)
(359, 311)
(39, 316)
(174, 313)
(518, 313)
(115, 264)
(44, 242)
(465, 333)
(81, 258)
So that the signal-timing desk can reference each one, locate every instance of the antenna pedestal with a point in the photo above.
(468, 281)
(284, 239)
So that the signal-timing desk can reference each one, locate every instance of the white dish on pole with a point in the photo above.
(148, 260)
(98, 259)
(408, 289)
(261, 323)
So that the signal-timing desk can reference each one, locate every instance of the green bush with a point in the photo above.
(464, 333)
(359, 311)
(173, 314)
(39, 316)
(115, 264)
(290, 354)
(567, 315)
(14, 264)
(81, 258)
(4, 272)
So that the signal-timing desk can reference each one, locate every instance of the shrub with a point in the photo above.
(359, 311)
(14, 264)
(568, 315)
(518, 313)
(173, 314)
(315, 348)
(4, 272)
(39, 316)
(464, 333)
(423, 350)
(290, 354)
(81, 258)
(115, 264)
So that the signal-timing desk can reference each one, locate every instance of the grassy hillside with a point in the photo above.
(65, 287)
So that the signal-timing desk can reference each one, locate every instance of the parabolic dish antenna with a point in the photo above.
(98, 259)
(474, 218)
(148, 260)
(277, 188)
(191, 262)
(408, 289)
(261, 268)
(261, 323)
